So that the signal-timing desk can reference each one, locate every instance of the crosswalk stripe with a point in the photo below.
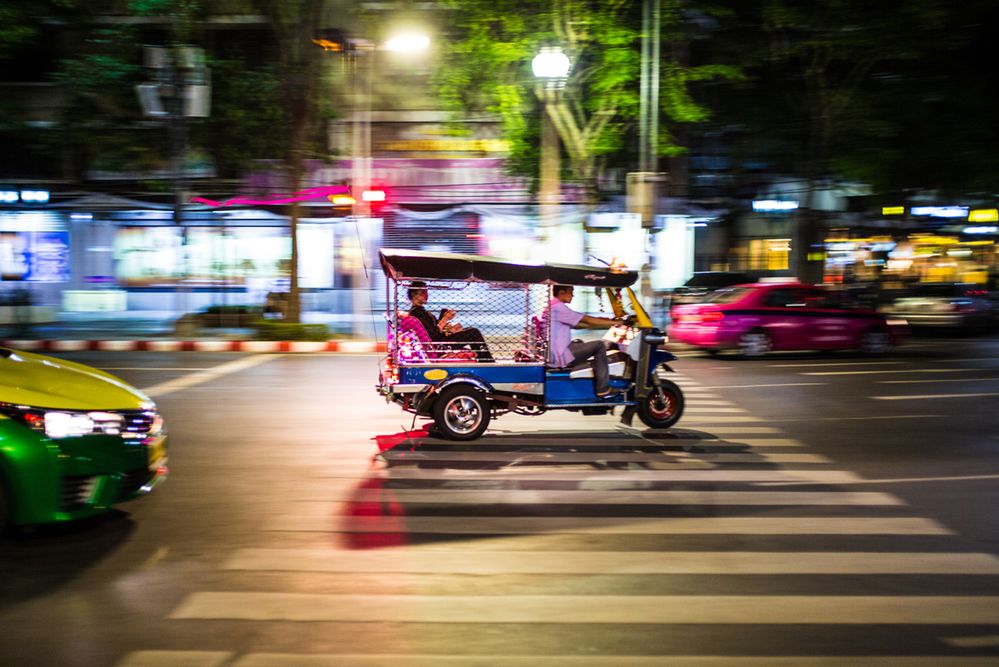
(609, 609)
(413, 660)
(439, 561)
(738, 430)
(770, 442)
(689, 420)
(532, 660)
(892, 371)
(485, 525)
(176, 659)
(933, 396)
(320, 506)
(521, 457)
(587, 473)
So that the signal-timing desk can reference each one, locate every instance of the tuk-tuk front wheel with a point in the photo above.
(657, 411)
(461, 413)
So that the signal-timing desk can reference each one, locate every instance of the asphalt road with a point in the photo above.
(807, 510)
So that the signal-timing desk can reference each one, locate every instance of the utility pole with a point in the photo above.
(181, 89)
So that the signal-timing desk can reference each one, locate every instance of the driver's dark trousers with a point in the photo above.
(597, 349)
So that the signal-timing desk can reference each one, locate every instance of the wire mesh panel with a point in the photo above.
(467, 322)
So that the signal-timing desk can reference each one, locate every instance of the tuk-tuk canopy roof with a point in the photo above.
(421, 265)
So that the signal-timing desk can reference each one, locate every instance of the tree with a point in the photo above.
(815, 103)
(294, 24)
(486, 66)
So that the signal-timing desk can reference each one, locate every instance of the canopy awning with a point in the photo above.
(421, 265)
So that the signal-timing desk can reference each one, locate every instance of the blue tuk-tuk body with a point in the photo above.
(498, 364)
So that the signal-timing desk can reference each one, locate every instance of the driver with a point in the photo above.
(564, 351)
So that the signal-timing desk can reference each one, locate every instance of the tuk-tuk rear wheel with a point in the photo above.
(461, 413)
(662, 412)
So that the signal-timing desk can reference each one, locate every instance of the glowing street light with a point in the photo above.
(408, 43)
(551, 63)
(551, 66)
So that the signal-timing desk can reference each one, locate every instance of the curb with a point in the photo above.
(342, 346)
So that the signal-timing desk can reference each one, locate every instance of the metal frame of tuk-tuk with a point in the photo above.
(526, 386)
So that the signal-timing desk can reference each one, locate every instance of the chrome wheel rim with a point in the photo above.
(754, 344)
(463, 414)
(661, 409)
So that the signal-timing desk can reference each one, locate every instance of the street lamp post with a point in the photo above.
(551, 66)
(361, 186)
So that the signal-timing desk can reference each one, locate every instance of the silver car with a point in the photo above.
(961, 306)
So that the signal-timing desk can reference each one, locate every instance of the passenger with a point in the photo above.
(563, 351)
(442, 329)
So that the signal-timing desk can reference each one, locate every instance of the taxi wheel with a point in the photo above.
(461, 413)
(875, 341)
(656, 412)
(754, 343)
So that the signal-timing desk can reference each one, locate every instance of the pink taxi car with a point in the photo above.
(756, 318)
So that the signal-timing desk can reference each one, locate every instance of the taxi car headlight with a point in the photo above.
(58, 424)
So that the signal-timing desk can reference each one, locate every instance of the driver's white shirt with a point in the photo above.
(563, 319)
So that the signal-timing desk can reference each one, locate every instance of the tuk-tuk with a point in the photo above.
(498, 365)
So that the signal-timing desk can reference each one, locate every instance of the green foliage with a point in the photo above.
(247, 116)
(487, 67)
(279, 330)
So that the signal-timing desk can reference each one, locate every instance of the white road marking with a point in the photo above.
(153, 368)
(321, 507)
(443, 561)
(516, 457)
(585, 473)
(764, 442)
(894, 370)
(702, 420)
(206, 375)
(616, 609)
(863, 418)
(973, 642)
(532, 660)
(463, 525)
(729, 430)
(764, 386)
(909, 480)
(938, 380)
(176, 659)
(933, 396)
(837, 363)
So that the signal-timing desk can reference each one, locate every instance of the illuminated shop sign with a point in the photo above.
(982, 229)
(892, 210)
(26, 196)
(941, 211)
(774, 205)
(983, 215)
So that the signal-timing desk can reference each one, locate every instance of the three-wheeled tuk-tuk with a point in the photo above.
(485, 354)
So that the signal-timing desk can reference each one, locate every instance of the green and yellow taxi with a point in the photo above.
(74, 440)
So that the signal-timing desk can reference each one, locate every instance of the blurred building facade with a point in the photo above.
(103, 239)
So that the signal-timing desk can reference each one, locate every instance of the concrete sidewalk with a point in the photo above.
(156, 333)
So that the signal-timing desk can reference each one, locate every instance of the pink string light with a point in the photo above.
(302, 195)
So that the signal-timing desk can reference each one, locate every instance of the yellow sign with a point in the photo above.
(892, 210)
(983, 215)
(435, 374)
(445, 145)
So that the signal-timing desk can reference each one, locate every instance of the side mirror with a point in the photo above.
(655, 339)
